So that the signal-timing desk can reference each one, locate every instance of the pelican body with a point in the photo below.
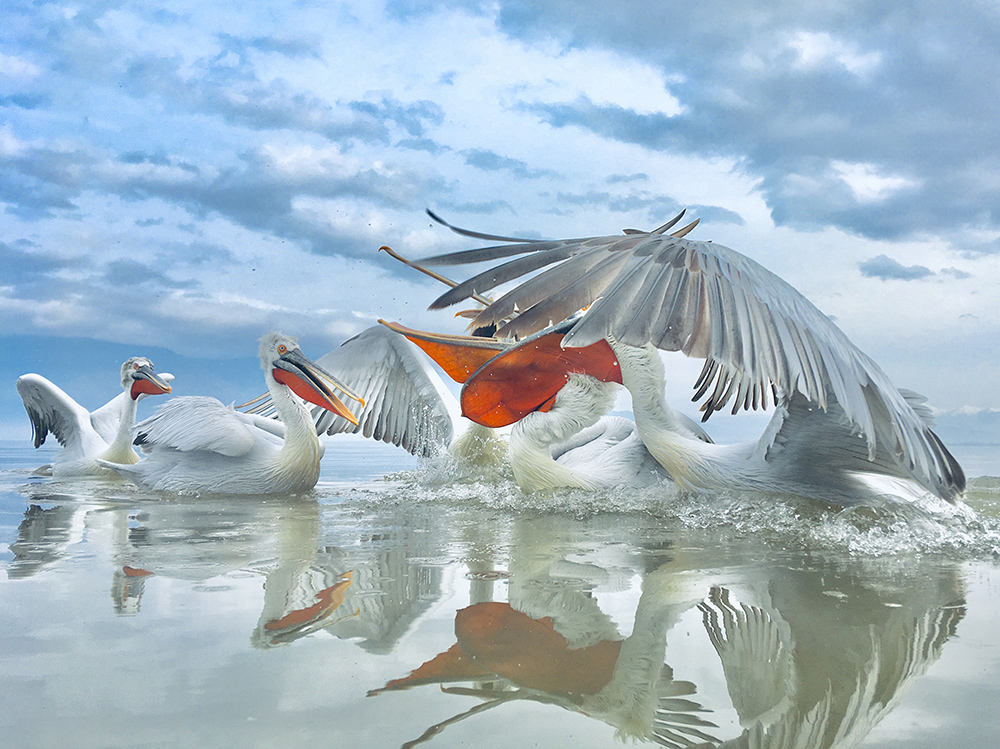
(87, 437)
(196, 445)
(840, 426)
(556, 399)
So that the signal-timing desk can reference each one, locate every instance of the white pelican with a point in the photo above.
(405, 402)
(88, 436)
(840, 424)
(556, 400)
(197, 445)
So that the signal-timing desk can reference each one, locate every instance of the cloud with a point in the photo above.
(185, 174)
(884, 267)
(14, 67)
(818, 49)
(25, 265)
(489, 161)
(617, 179)
(128, 272)
(289, 46)
(799, 88)
(955, 273)
(26, 101)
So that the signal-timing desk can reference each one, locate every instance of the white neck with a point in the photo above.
(302, 449)
(691, 462)
(120, 450)
(580, 403)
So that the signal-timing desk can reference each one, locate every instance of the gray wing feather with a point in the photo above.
(709, 301)
(196, 423)
(51, 410)
(406, 404)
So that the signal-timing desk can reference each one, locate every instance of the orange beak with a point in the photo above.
(309, 381)
(146, 381)
(527, 377)
(458, 355)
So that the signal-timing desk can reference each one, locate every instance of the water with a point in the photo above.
(439, 607)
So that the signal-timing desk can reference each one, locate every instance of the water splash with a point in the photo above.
(874, 528)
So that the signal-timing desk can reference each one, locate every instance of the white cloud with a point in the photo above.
(821, 49)
(302, 160)
(10, 144)
(869, 183)
(17, 68)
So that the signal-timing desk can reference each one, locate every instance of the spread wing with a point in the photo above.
(51, 410)
(406, 404)
(758, 335)
(756, 659)
(196, 423)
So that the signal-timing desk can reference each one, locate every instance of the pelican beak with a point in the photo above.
(146, 382)
(528, 376)
(311, 382)
(458, 355)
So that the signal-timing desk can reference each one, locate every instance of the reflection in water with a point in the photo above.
(817, 660)
(42, 539)
(583, 615)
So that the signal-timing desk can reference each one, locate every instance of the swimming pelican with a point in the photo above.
(88, 436)
(197, 445)
(556, 400)
(406, 403)
(840, 425)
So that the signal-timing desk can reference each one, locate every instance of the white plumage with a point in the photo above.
(88, 436)
(761, 339)
(197, 445)
(575, 445)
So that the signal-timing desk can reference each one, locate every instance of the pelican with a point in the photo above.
(556, 400)
(405, 402)
(87, 437)
(197, 445)
(841, 430)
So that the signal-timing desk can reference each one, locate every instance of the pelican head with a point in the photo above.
(281, 356)
(140, 379)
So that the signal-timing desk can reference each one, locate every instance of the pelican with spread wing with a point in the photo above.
(556, 399)
(88, 436)
(405, 402)
(840, 430)
(197, 445)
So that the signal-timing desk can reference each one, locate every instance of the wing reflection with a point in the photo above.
(42, 538)
(814, 662)
(366, 585)
(551, 642)
(669, 636)
(827, 665)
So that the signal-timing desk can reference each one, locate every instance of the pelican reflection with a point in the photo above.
(810, 658)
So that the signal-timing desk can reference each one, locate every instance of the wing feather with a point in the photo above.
(51, 410)
(196, 422)
(406, 404)
(709, 301)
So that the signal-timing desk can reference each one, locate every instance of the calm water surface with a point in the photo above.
(440, 607)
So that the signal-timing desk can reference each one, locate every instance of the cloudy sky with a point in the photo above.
(190, 175)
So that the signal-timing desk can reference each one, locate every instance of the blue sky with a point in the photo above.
(191, 175)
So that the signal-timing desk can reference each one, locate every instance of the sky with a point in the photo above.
(188, 175)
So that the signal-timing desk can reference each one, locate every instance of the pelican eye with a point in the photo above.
(282, 349)
(135, 365)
